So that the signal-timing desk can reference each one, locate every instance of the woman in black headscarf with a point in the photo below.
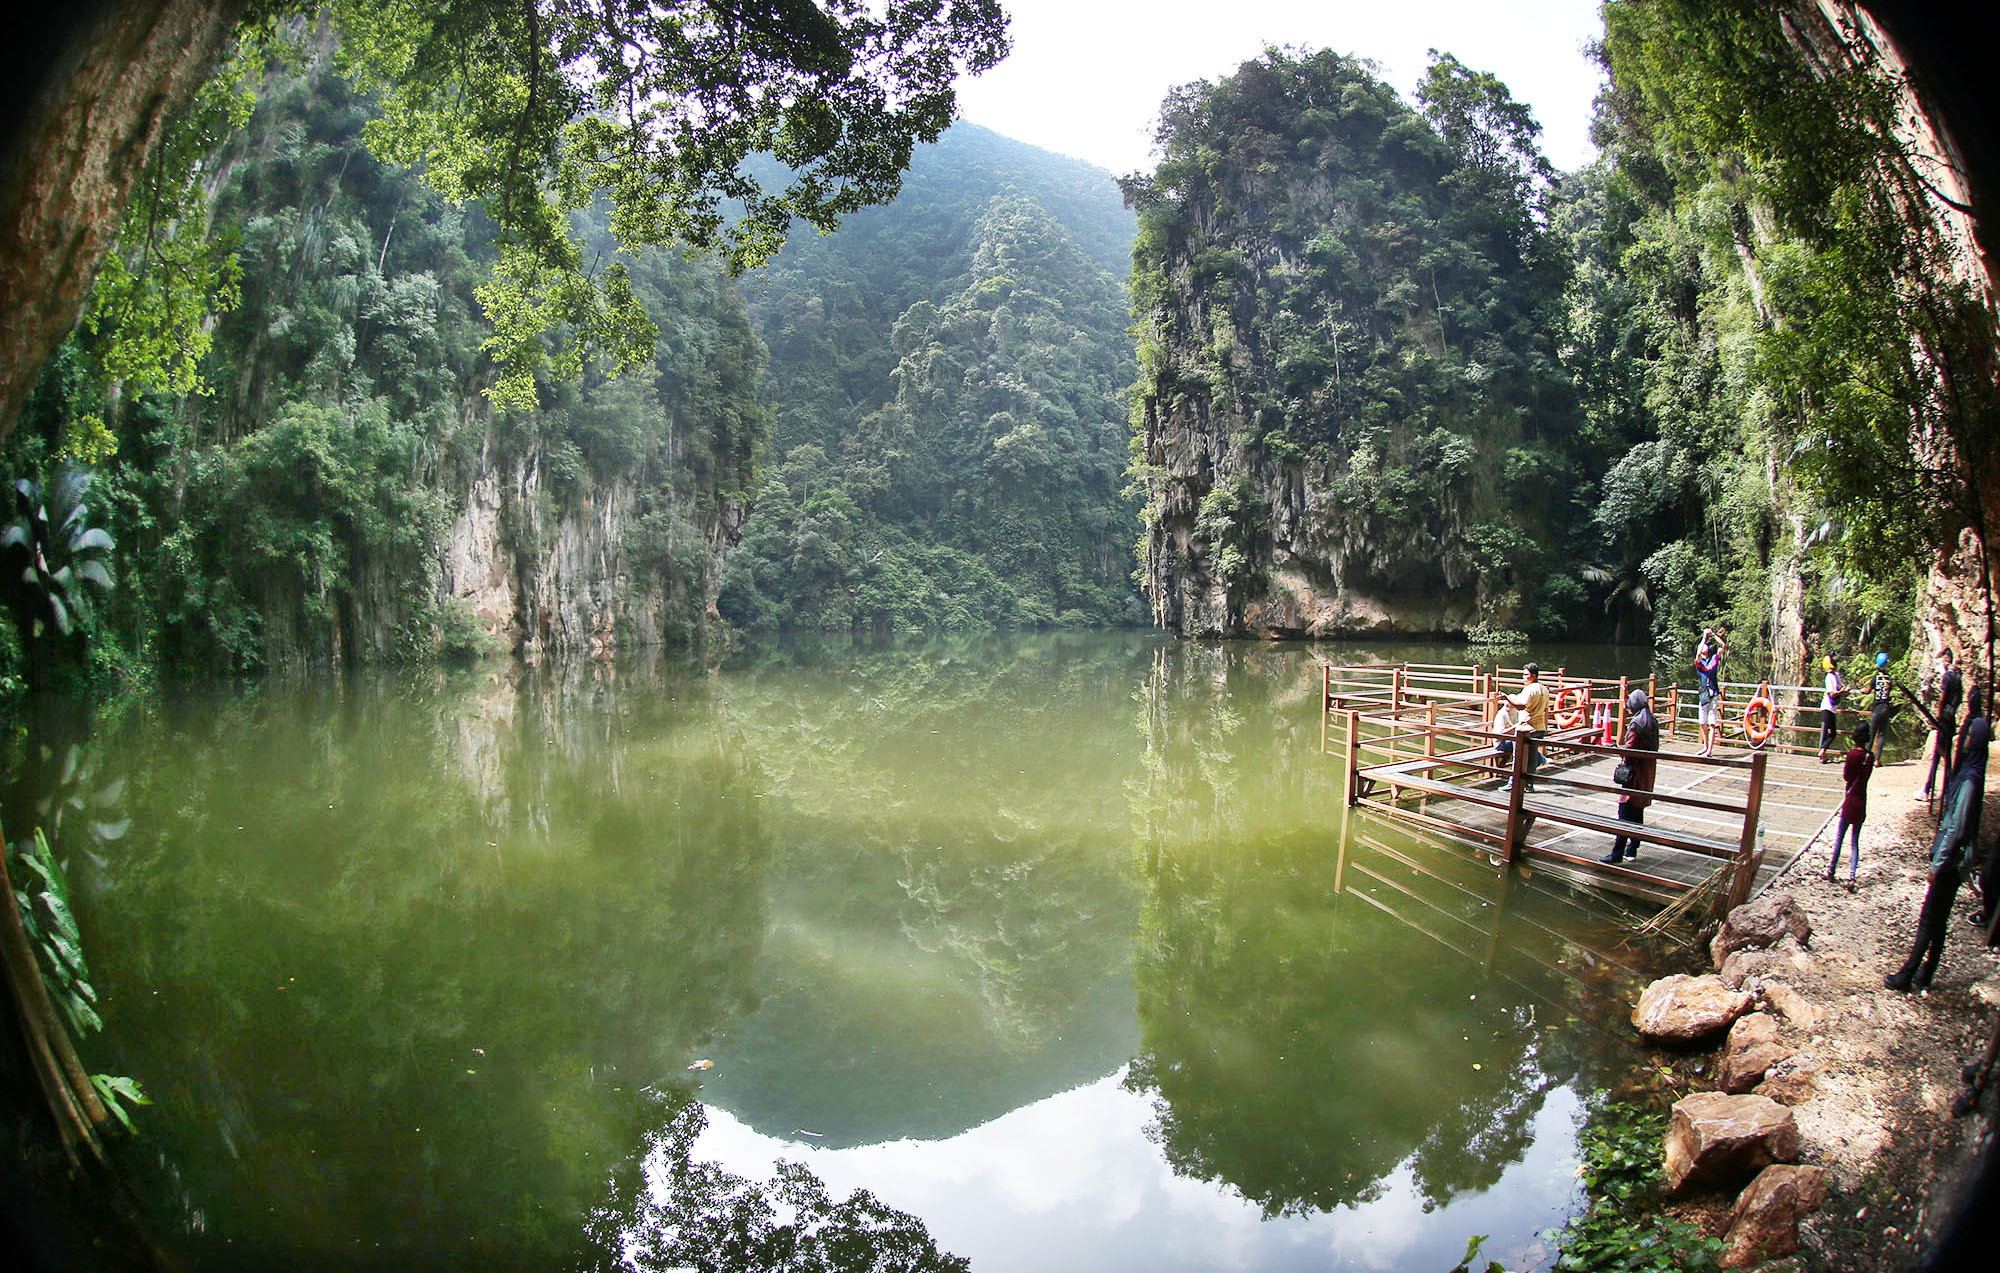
(1642, 733)
(1951, 857)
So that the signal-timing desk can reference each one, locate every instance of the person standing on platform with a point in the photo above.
(1829, 707)
(1951, 858)
(1642, 733)
(1853, 804)
(1880, 703)
(1951, 692)
(1708, 701)
(1532, 712)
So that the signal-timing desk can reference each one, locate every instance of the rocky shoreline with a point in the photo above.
(1815, 1129)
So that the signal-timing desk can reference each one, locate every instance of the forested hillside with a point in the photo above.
(1393, 375)
(948, 377)
(1779, 294)
(326, 482)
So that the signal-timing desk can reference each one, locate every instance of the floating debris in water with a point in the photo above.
(800, 1131)
(703, 1064)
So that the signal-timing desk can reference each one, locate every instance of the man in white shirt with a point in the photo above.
(1532, 705)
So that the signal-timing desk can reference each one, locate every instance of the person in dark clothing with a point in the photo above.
(1881, 705)
(1642, 733)
(1951, 691)
(1975, 708)
(1958, 831)
(1854, 804)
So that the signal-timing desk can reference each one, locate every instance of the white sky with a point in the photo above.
(1086, 77)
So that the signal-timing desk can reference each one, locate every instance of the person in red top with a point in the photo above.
(1854, 805)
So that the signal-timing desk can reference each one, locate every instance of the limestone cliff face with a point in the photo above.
(547, 580)
(1348, 416)
(1314, 572)
(1954, 610)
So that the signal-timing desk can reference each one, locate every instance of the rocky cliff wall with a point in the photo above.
(1348, 417)
(547, 580)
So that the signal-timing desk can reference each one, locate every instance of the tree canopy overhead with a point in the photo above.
(534, 108)
(539, 109)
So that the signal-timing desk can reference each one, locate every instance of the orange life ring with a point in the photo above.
(1569, 706)
(1760, 718)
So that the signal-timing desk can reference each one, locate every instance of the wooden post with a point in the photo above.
(1430, 731)
(1673, 709)
(1395, 693)
(1746, 848)
(1653, 693)
(1353, 758)
(1624, 692)
(1325, 702)
(1516, 788)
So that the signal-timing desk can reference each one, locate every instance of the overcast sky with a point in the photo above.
(1087, 76)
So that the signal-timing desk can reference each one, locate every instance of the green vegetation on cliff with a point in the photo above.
(1348, 375)
(1396, 375)
(291, 494)
(1770, 295)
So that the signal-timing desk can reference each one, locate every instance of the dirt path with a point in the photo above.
(1887, 1064)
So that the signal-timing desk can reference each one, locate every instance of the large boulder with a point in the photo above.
(1753, 1048)
(1681, 1009)
(1756, 963)
(1715, 1138)
(1791, 1081)
(1765, 1223)
(1755, 925)
(1797, 1011)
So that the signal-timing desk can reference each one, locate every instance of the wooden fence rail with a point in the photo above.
(1409, 731)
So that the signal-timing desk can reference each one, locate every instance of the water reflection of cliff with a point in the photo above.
(951, 912)
(395, 961)
(1322, 1002)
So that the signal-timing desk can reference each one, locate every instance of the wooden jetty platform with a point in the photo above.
(1419, 749)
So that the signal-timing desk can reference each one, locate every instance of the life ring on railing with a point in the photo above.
(1569, 706)
(1760, 717)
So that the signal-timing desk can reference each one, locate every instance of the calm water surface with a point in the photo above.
(1062, 945)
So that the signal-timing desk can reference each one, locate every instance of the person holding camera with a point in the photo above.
(1708, 702)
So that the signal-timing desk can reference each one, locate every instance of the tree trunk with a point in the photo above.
(94, 84)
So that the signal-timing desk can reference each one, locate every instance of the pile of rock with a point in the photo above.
(1745, 1131)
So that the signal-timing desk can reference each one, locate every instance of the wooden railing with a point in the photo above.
(1425, 730)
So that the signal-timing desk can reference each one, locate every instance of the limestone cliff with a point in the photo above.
(1348, 415)
(544, 581)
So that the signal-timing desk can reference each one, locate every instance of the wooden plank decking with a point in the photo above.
(1799, 799)
(1718, 819)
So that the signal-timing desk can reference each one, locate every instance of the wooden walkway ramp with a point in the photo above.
(1418, 750)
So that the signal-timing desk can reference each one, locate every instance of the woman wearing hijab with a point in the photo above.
(1642, 734)
(1951, 856)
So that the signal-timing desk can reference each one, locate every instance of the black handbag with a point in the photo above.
(1622, 775)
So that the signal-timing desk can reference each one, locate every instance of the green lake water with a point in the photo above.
(1063, 945)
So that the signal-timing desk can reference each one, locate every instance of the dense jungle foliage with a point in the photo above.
(1789, 338)
(948, 376)
(1731, 372)
(281, 478)
(1336, 289)
(1724, 373)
